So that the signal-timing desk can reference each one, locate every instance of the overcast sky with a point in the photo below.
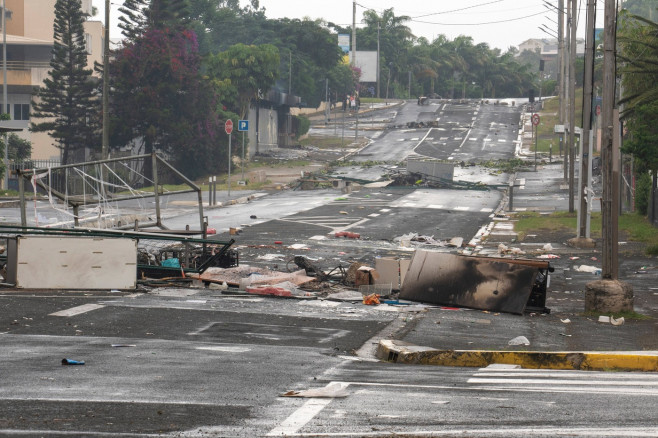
(500, 23)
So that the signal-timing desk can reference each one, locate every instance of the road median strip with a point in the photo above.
(403, 352)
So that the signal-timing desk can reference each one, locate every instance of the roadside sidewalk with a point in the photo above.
(566, 338)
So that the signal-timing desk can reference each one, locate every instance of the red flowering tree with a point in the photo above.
(161, 101)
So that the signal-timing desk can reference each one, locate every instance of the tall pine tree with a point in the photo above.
(67, 101)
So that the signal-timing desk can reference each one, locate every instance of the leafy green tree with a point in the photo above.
(67, 101)
(638, 54)
(139, 15)
(249, 69)
(19, 148)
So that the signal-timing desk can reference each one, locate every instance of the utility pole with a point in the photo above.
(105, 147)
(609, 212)
(567, 88)
(572, 104)
(588, 86)
(608, 294)
(377, 59)
(561, 63)
(4, 89)
(354, 33)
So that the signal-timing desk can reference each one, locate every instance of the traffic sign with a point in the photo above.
(228, 126)
(535, 119)
(243, 125)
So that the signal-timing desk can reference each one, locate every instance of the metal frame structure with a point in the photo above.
(75, 202)
(195, 255)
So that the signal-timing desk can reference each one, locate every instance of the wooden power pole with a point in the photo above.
(609, 211)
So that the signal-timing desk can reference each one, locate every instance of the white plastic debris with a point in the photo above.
(618, 321)
(519, 340)
(502, 248)
(516, 251)
(587, 268)
(217, 286)
(548, 247)
(332, 390)
(566, 321)
(603, 318)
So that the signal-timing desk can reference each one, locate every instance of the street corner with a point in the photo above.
(403, 352)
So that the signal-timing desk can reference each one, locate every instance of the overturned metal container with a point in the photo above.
(485, 283)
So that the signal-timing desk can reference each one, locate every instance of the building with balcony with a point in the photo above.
(29, 44)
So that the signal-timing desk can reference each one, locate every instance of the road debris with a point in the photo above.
(72, 362)
(519, 340)
(585, 268)
(332, 390)
(485, 283)
(611, 320)
(371, 300)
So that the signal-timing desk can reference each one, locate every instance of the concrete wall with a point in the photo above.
(267, 121)
(432, 168)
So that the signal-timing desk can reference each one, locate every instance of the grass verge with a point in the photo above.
(636, 227)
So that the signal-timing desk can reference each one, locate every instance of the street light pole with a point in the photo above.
(354, 33)
(572, 104)
(585, 156)
(4, 88)
(105, 147)
(377, 59)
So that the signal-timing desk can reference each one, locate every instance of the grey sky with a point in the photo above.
(500, 23)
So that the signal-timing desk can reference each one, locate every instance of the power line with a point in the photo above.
(482, 23)
(458, 10)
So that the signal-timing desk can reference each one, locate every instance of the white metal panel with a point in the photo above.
(47, 262)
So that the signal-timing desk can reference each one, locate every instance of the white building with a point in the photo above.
(30, 29)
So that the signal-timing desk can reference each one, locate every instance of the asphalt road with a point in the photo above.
(469, 131)
(197, 363)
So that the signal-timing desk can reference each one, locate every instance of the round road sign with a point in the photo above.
(228, 126)
(535, 119)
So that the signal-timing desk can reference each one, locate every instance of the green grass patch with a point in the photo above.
(10, 193)
(504, 166)
(636, 227)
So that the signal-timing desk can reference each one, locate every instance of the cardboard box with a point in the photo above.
(391, 270)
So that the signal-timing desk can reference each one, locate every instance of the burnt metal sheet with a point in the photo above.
(475, 282)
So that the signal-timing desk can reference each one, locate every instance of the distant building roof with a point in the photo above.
(25, 41)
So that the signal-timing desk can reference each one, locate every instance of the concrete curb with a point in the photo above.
(403, 352)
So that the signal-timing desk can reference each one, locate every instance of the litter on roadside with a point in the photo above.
(566, 321)
(371, 300)
(611, 320)
(332, 390)
(519, 340)
(72, 362)
(586, 268)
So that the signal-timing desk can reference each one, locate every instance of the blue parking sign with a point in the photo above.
(243, 125)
